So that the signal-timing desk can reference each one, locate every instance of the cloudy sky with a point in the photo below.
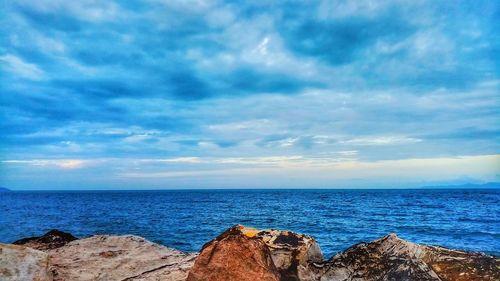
(212, 94)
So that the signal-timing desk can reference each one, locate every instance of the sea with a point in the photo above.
(466, 219)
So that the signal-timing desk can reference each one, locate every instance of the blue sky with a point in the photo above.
(212, 94)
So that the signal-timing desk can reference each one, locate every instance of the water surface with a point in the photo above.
(461, 218)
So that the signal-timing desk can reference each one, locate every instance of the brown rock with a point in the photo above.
(234, 255)
(123, 258)
(50, 240)
(451, 265)
(19, 263)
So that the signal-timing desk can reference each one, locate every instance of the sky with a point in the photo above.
(248, 94)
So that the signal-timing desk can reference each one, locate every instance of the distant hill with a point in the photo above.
(468, 185)
(4, 189)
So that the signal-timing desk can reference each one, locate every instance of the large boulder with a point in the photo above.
(235, 255)
(19, 263)
(391, 258)
(118, 258)
(50, 240)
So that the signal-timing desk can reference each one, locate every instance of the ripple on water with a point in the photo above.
(462, 219)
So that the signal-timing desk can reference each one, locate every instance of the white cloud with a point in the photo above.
(262, 161)
(257, 124)
(276, 171)
(183, 174)
(50, 45)
(179, 160)
(381, 140)
(329, 9)
(21, 68)
(262, 47)
(68, 164)
(87, 10)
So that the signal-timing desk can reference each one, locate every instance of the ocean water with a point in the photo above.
(185, 220)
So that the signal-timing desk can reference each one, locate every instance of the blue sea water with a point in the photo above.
(460, 218)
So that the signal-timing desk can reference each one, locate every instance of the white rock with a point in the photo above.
(109, 258)
(19, 263)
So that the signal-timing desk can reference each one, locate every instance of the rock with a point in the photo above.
(391, 258)
(236, 254)
(240, 253)
(461, 266)
(21, 263)
(292, 253)
(118, 258)
(50, 240)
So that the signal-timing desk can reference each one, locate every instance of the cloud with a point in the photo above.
(270, 172)
(381, 140)
(342, 173)
(198, 81)
(179, 160)
(22, 68)
(341, 41)
(58, 163)
(86, 10)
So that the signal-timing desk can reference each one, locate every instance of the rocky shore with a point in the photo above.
(239, 253)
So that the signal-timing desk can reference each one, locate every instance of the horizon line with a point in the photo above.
(477, 186)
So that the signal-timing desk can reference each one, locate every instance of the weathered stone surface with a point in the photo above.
(50, 240)
(234, 255)
(21, 263)
(451, 265)
(118, 258)
(239, 253)
(391, 258)
(292, 253)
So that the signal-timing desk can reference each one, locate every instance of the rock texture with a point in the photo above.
(236, 254)
(19, 263)
(120, 258)
(461, 266)
(240, 253)
(50, 240)
(391, 258)
(292, 253)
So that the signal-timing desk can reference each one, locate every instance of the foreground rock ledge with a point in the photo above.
(239, 253)
(118, 258)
